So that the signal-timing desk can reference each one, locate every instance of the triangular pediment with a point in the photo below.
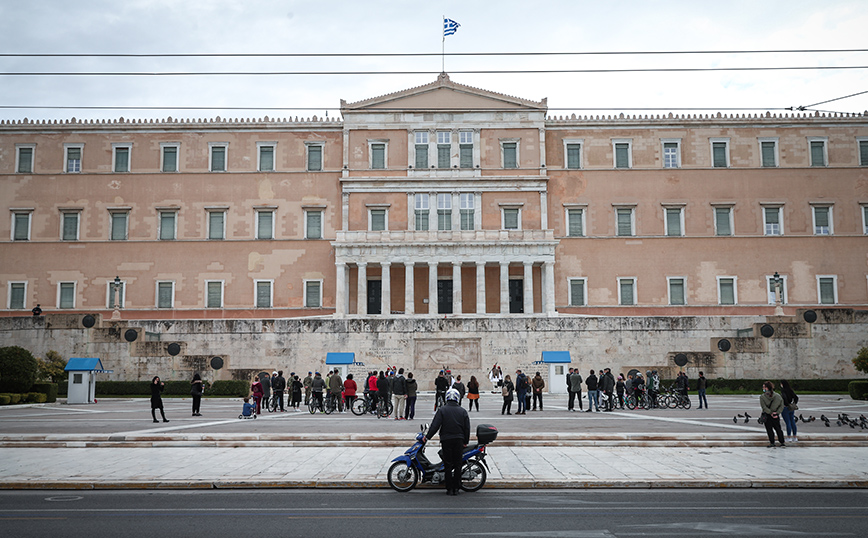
(444, 95)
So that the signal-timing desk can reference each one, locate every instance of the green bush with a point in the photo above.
(35, 397)
(123, 388)
(14, 398)
(171, 388)
(48, 389)
(18, 369)
(5, 399)
(229, 388)
(859, 389)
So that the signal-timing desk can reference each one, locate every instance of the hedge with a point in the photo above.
(171, 388)
(48, 389)
(5, 399)
(859, 389)
(755, 385)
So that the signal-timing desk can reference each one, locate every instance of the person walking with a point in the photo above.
(507, 389)
(307, 384)
(593, 393)
(412, 389)
(257, 391)
(399, 394)
(453, 423)
(521, 387)
(472, 393)
(791, 400)
(772, 404)
(196, 391)
(537, 386)
(157, 399)
(575, 387)
(278, 386)
(701, 384)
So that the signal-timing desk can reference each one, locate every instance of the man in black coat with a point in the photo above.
(453, 423)
(278, 385)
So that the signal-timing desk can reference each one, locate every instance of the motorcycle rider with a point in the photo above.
(453, 423)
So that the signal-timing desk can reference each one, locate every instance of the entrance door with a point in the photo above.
(558, 378)
(444, 296)
(375, 297)
(516, 296)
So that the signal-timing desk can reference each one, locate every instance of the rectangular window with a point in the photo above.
(110, 295)
(577, 292)
(313, 224)
(624, 217)
(670, 155)
(511, 218)
(165, 294)
(622, 155)
(818, 152)
(17, 292)
(421, 150)
(719, 154)
(574, 156)
(168, 221)
(263, 294)
(421, 212)
(468, 211)
(66, 295)
(444, 149)
(863, 153)
(73, 159)
(626, 291)
(170, 159)
(218, 158)
(676, 291)
(378, 156)
(21, 226)
(723, 221)
(822, 220)
(25, 160)
(726, 291)
(264, 224)
(119, 220)
(312, 294)
(216, 225)
(865, 219)
(465, 149)
(769, 151)
(121, 159)
(772, 220)
(214, 292)
(674, 219)
(575, 224)
(444, 212)
(69, 226)
(314, 157)
(827, 289)
(510, 155)
(378, 220)
(266, 158)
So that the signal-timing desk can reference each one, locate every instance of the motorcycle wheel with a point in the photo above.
(358, 407)
(402, 477)
(473, 476)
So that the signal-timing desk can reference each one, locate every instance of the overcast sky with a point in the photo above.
(392, 26)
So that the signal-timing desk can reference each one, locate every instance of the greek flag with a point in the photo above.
(449, 27)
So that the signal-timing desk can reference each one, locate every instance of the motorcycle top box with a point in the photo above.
(485, 433)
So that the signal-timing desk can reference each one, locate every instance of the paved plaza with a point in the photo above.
(115, 444)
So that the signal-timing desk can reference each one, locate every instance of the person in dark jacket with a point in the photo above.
(156, 399)
(453, 423)
(383, 389)
(575, 388)
(336, 387)
(441, 385)
(619, 389)
(772, 404)
(538, 384)
(789, 412)
(278, 386)
(196, 390)
(412, 388)
(521, 387)
(593, 393)
(701, 385)
(507, 388)
(607, 387)
(399, 394)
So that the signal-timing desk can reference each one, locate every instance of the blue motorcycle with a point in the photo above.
(413, 467)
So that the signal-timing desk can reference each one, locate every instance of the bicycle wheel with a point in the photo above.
(631, 403)
(272, 404)
(389, 408)
(330, 406)
(685, 403)
(402, 477)
(646, 403)
(311, 406)
(473, 476)
(359, 407)
(663, 401)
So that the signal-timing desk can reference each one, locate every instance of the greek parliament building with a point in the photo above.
(442, 225)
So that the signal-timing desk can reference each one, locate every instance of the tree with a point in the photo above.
(861, 360)
(18, 369)
(51, 367)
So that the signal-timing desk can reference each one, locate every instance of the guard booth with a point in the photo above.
(81, 388)
(341, 361)
(557, 362)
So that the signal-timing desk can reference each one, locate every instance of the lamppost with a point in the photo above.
(779, 297)
(116, 288)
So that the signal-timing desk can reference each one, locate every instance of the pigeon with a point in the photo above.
(746, 418)
(825, 420)
(735, 420)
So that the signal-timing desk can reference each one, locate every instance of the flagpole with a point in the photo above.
(443, 45)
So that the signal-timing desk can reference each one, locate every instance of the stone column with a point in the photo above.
(456, 211)
(340, 289)
(411, 211)
(480, 287)
(345, 213)
(386, 283)
(550, 288)
(456, 288)
(504, 287)
(363, 289)
(432, 287)
(409, 295)
(528, 287)
(543, 210)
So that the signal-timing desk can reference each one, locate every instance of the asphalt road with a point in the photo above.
(525, 513)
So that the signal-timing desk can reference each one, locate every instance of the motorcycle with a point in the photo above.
(413, 467)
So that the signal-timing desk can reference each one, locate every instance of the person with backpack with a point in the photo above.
(521, 386)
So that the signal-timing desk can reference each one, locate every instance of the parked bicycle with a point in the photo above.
(638, 399)
(328, 406)
(365, 405)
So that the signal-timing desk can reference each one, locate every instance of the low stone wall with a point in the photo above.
(466, 345)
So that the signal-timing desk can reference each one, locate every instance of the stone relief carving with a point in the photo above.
(432, 354)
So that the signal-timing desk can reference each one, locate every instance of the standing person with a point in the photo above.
(336, 387)
(266, 389)
(350, 389)
(372, 390)
(537, 385)
(156, 399)
(619, 388)
(399, 394)
(307, 383)
(317, 387)
(507, 388)
(575, 389)
(654, 386)
(453, 423)
(701, 384)
(412, 388)
(441, 385)
(278, 385)
(473, 393)
(196, 390)
(383, 391)
(495, 375)
(791, 399)
(459, 386)
(297, 387)
(772, 404)
(593, 393)
(521, 386)
(607, 386)
(256, 390)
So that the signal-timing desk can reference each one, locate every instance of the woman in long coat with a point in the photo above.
(156, 399)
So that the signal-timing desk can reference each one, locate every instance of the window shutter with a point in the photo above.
(266, 220)
(218, 159)
(727, 293)
(509, 155)
(266, 158)
(772, 215)
(25, 160)
(378, 220)
(627, 292)
(625, 222)
(768, 154)
(863, 152)
(467, 218)
(510, 219)
(17, 296)
(70, 226)
(443, 157)
(164, 295)
(622, 156)
(421, 156)
(575, 223)
(378, 156)
(422, 220)
(215, 295)
(167, 225)
(67, 295)
(311, 299)
(314, 158)
(577, 292)
(215, 225)
(314, 224)
(119, 226)
(122, 159)
(170, 159)
(673, 222)
(676, 291)
(719, 154)
(817, 154)
(465, 154)
(574, 156)
(827, 291)
(821, 216)
(263, 294)
(721, 215)
(22, 223)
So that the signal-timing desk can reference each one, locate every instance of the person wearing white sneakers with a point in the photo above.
(791, 400)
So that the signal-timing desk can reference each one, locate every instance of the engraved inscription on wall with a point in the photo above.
(432, 354)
